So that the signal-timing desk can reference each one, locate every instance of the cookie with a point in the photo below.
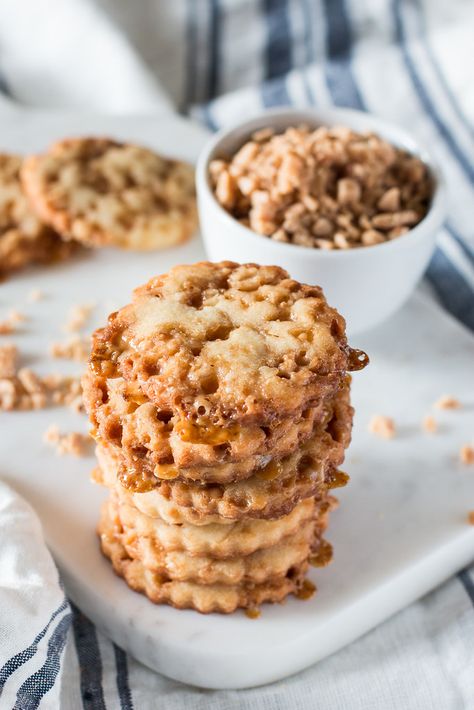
(24, 239)
(106, 193)
(152, 446)
(257, 567)
(272, 490)
(205, 598)
(242, 538)
(224, 345)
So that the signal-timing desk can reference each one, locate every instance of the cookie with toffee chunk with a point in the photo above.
(221, 346)
(205, 598)
(106, 193)
(24, 239)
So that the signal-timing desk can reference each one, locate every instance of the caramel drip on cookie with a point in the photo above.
(271, 471)
(252, 613)
(307, 590)
(358, 359)
(337, 479)
(322, 556)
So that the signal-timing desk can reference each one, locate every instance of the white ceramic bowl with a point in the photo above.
(366, 284)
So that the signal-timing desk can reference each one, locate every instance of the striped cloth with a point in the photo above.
(406, 60)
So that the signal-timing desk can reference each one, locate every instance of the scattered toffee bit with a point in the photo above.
(447, 402)
(8, 361)
(35, 295)
(7, 327)
(10, 323)
(328, 188)
(78, 316)
(470, 517)
(73, 443)
(383, 427)
(23, 389)
(75, 348)
(358, 359)
(430, 425)
(337, 479)
(466, 455)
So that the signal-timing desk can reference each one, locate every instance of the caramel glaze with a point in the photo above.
(306, 591)
(322, 555)
(336, 479)
(252, 613)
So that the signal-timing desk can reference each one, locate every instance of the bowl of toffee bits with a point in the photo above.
(337, 197)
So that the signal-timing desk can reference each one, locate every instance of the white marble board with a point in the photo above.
(401, 528)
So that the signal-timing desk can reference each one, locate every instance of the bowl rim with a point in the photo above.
(391, 132)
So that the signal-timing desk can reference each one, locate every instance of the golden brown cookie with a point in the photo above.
(239, 539)
(152, 446)
(220, 345)
(261, 565)
(24, 239)
(267, 494)
(102, 192)
(204, 598)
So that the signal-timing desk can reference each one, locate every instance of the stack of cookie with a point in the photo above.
(219, 400)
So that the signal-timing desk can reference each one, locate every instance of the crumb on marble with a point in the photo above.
(73, 443)
(78, 316)
(75, 348)
(22, 389)
(430, 425)
(466, 455)
(16, 316)
(8, 360)
(7, 327)
(381, 426)
(36, 294)
(447, 402)
(9, 324)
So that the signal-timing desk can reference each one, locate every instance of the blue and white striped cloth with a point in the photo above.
(407, 60)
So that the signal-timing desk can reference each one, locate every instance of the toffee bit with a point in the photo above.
(8, 360)
(447, 402)
(430, 425)
(16, 316)
(358, 359)
(7, 327)
(78, 316)
(35, 295)
(73, 443)
(466, 455)
(470, 517)
(75, 348)
(383, 427)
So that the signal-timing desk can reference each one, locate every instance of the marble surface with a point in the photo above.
(401, 527)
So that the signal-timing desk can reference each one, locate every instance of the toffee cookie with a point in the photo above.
(105, 193)
(24, 239)
(220, 345)
(260, 565)
(151, 450)
(204, 598)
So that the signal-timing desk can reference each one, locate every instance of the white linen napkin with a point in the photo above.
(34, 613)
